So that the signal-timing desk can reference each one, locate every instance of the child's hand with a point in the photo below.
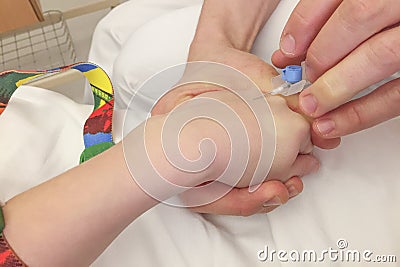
(274, 193)
(256, 69)
(271, 193)
(291, 134)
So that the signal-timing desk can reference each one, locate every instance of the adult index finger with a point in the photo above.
(303, 25)
(373, 61)
(353, 22)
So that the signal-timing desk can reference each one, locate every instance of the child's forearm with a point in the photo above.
(70, 220)
(234, 23)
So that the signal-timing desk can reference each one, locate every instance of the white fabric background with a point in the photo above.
(354, 196)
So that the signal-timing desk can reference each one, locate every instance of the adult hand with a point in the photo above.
(348, 46)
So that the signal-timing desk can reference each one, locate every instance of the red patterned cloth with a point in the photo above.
(7, 256)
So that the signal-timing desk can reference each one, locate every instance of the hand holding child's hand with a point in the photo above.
(271, 193)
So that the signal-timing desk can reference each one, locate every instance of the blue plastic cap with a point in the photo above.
(292, 74)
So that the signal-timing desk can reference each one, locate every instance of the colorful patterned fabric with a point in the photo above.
(98, 127)
(7, 256)
(97, 132)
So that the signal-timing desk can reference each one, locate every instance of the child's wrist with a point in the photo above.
(169, 149)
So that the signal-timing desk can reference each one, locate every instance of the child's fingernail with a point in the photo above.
(307, 70)
(316, 168)
(308, 104)
(292, 191)
(288, 44)
(325, 126)
(276, 201)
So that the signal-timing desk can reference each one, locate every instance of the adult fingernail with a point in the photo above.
(288, 44)
(292, 191)
(325, 126)
(274, 202)
(308, 104)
